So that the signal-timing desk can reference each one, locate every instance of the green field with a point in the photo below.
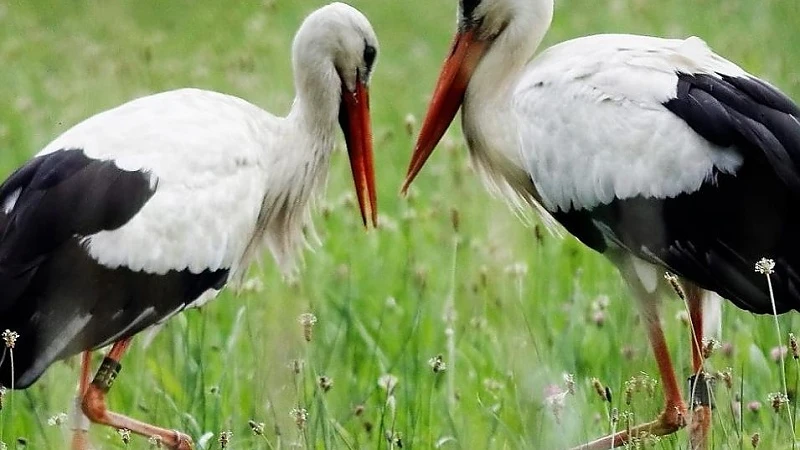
(510, 308)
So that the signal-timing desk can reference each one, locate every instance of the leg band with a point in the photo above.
(106, 374)
(700, 391)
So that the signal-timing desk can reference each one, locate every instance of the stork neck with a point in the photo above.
(318, 97)
(488, 118)
(502, 65)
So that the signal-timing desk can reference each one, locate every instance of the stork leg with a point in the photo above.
(94, 404)
(673, 417)
(80, 423)
(700, 403)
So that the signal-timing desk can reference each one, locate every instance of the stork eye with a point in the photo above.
(468, 7)
(369, 55)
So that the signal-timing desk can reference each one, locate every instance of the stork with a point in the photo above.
(152, 207)
(657, 153)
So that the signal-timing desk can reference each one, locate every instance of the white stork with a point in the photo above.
(152, 207)
(657, 153)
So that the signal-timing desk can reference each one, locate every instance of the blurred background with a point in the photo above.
(513, 311)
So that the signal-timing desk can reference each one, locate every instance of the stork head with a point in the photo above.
(335, 51)
(508, 29)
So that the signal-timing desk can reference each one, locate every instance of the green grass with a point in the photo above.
(390, 300)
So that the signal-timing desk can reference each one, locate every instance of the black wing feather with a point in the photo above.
(715, 235)
(63, 194)
(48, 279)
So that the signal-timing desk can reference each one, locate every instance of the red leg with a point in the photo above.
(694, 298)
(80, 423)
(673, 417)
(700, 423)
(94, 404)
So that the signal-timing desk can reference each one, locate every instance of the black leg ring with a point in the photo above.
(106, 374)
(700, 391)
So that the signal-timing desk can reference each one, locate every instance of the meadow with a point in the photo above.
(510, 310)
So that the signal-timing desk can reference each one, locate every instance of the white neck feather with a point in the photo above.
(488, 121)
(318, 89)
(300, 165)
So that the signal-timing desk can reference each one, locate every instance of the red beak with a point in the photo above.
(355, 122)
(465, 54)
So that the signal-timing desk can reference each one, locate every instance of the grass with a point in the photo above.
(509, 308)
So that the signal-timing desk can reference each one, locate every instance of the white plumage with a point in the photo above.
(658, 153)
(212, 158)
(154, 206)
(218, 161)
(617, 84)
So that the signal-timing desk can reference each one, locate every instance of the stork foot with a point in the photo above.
(95, 409)
(94, 406)
(671, 420)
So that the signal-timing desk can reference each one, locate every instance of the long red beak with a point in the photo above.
(355, 122)
(465, 55)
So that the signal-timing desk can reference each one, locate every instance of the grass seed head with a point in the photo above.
(598, 387)
(777, 400)
(629, 388)
(569, 383)
(709, 345)
(387, 382)
(765, 266)
(602, 391)
(793, 346)
(599, 318)
(325, 383)
(56, 420)
(726, 376)
(155, 442)
(300, 416)
(296, 366)
(437, 364)
(600, 303)
(10, 338)
(307, 320)
(256, 427)
(394, 439)
(124, 435)
(225, 439)
(675, 284)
